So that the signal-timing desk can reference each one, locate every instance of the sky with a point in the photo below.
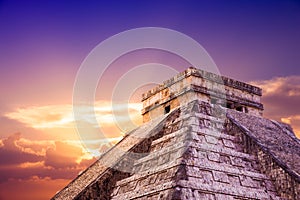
(44, 43)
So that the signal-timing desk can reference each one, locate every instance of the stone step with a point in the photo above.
(159, 191)
(215, 188)
(213, 150)
(150, 172)
(194, 168)
(208, 133)
(204, 122)
(232, 180)
(226, 169)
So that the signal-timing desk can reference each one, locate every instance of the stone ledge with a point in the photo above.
(189, 143)
(205, 75)
(204, 166)
(209, 165)
(198, 89)
(147, 191)
(171, 135)
(222, 188)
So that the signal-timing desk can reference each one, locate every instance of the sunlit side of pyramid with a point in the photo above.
(204, 137)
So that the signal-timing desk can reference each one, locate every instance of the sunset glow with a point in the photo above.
(44, 43)
(61, 116)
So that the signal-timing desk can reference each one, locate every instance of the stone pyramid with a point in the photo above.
(207, 140)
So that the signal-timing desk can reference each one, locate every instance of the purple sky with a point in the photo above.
(43, 43)
(260, 38)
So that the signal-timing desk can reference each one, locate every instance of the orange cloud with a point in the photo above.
(113, 120)
(290, 85)
(44, 116)
(55, 159)
(61, 116)
(31, 164)
(281, 97)
(63, 155)
(294, 121)
(37, 147)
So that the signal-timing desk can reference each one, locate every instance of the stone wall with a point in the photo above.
(193, 84)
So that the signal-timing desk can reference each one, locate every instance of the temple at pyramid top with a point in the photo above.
(193, 84)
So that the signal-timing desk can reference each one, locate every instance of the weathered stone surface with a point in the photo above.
(195, 84)
(272, 138)
(197, 151)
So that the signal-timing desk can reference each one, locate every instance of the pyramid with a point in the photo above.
(203, 137)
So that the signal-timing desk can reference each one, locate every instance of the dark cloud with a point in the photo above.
(22, 159)
(11, 153)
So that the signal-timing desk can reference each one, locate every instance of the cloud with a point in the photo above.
(61, 116)
(38, 147)
(281, 99)
(63, 155)
(12, 153)
(44, 116)
(22, 158)
(294, 121)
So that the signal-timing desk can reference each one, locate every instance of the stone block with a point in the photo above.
(220, 176)
(211, 140)
(213, 156)
(228, 143)
(249, 182)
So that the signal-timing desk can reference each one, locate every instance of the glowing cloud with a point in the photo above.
(22, 158)
(281, 97)
(288, 85)
(44, 116)
(61, 116)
